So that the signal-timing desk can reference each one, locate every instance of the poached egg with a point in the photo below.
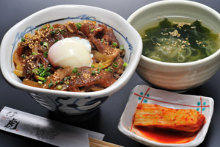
(73, 52)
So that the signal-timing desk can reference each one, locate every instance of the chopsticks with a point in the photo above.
(98, 143)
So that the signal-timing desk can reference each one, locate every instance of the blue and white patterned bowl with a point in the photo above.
(72, 103)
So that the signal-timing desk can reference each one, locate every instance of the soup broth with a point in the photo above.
(179, 41)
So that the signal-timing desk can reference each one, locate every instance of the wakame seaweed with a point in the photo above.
(179, 42)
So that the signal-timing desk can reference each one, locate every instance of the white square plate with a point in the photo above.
(146, 94)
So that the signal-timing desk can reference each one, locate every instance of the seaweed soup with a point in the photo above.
(179, 40)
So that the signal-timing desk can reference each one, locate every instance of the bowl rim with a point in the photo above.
(124, 78)
(168, 2)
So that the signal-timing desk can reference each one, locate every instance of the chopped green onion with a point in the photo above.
(52, 32)
(93, 72)
(51, 27)
(125, 64)
(23, 39)
(48, 74)
(43, 73)
(23, 56)
(35, 70)
(78, 25)
(40, 82)
(121, 47)
(75, 70)
(108, 69)
(92, 30)
(92, 65)
(66, 78)
(46, 54)
(114, 44)
(115, 64)
(45, 44)
(99, 69)
(33, 53)
(41, 78)
(59, 87)
(50, 84)
(62, 31)
(47, 71)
